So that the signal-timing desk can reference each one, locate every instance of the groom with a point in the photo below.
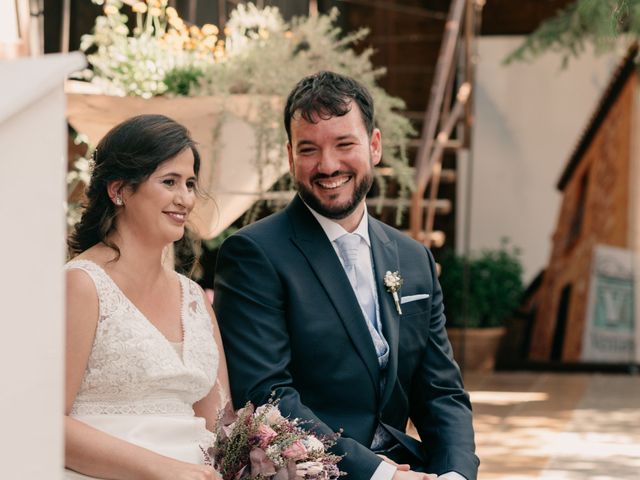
(306, 313)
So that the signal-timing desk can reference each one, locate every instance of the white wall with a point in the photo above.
(529, 117)
(32, 190)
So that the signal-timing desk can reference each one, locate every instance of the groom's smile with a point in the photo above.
(332, 182)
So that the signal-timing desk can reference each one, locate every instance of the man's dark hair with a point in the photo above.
(324, 95)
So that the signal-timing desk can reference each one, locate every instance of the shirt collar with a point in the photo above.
(334, 230)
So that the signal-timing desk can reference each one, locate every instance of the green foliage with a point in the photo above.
(600, 23)
(180, 81)
(495, 286)
(136, 61)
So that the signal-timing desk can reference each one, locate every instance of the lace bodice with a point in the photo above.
(133, 368)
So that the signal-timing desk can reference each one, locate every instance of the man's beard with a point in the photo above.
(337, 212)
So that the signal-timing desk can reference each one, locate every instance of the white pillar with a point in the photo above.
(32, 190)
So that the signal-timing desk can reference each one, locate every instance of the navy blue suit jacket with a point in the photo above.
(291, 324)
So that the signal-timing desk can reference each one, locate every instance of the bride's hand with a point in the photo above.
(187, 471)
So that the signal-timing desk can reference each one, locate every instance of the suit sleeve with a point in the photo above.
(250, 304)
(440, 407)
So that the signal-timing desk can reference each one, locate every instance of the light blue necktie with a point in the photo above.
(348, 246)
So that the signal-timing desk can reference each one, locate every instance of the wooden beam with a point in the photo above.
(431, 118)
(436, 159)
(442, 205)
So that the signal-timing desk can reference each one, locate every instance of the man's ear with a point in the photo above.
(290, 155)
(376, 146)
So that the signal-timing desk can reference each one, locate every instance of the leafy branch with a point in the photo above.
(600, 23)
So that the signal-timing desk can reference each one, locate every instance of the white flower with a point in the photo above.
(271, 414)
(312, 443)
(274, 454)
(393, 281)
(309, 469)
(249, 23)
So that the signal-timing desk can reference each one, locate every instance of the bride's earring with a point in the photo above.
(118, 201)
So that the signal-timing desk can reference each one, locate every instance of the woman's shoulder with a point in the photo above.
(98, 255)
(87, 272)
(80, 281)
(83, 273)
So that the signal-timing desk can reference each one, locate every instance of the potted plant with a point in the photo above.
(493, 291)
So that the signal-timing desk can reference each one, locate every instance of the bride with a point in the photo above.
(145, 368)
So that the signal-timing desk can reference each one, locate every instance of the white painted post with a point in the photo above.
(32, 190)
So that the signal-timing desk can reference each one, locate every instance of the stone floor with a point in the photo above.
(556, 426)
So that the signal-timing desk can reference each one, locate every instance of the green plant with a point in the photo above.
(494, 286)
(600, 23)
(182, 81)
(138, 61)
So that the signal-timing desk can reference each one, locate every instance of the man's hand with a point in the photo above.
(403, 467)
(411, 475)
(404, 472)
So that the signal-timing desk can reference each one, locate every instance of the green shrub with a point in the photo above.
(494, 286)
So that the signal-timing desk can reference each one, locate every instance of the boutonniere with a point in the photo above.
(393, 282)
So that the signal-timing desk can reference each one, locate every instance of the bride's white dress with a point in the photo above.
(137, 385)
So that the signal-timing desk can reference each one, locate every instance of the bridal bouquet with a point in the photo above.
(261, 443)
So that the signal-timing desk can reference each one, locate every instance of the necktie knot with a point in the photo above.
(348, 245)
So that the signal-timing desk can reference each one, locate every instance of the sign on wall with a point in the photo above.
(609, 335)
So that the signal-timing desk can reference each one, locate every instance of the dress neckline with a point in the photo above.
(183, 302)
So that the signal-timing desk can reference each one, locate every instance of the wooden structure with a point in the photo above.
(430, 56)
(449, 107)
(600, 206)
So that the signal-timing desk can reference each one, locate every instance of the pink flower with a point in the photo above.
(260, 464)
(228, 415)
(295, 451)
(264, 435)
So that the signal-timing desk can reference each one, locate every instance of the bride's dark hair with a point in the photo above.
(130, 152)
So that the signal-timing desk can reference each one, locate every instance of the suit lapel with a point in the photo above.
(385, 258)
(316, 247)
